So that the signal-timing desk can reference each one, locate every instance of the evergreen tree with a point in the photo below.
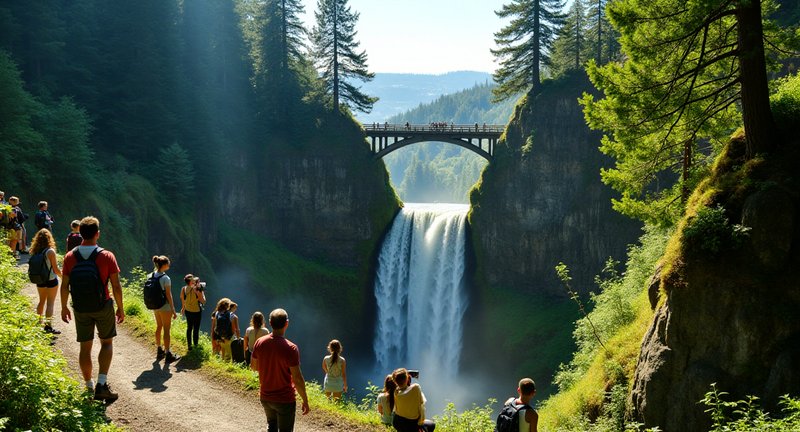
(571, 48)
(689, 67)
(600, 35)
(524, 45)
(174, 174)
(276, 37)
(336, 55)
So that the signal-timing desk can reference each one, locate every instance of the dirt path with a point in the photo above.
(155, 396)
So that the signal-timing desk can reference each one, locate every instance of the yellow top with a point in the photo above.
(190, 300)
(410, 402)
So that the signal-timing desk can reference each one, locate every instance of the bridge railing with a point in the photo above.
(434, 127)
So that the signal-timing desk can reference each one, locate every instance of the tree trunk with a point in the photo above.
(335, 58)
(759, 125)
(535, 78)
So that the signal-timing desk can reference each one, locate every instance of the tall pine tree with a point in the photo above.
(600, 34)
(524, 44)
(571, 49)
(276, 37)
(336, 55)
(693, 72)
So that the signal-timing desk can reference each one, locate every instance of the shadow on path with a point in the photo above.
(153, 379)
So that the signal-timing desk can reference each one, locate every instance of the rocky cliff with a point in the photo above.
(541, 201)
(730, 295)
(322, 195)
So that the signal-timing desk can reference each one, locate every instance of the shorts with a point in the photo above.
(15, 234)
(333, 384)
(104, 320)
(165, 308)
(49, 284)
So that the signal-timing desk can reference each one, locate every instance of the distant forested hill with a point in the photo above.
(436, 172)
(400, 92)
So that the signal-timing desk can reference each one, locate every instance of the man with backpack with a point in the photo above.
(87, 271)
(517, 415)
(42, 219)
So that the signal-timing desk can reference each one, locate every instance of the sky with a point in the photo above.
(424, 36)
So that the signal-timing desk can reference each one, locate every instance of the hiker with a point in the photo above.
(42, 219)
(517, 413)
(335, 368)
(22, 246)
(409, 405)
(222, 328)
(82, 266)
(386, 401)
(193, 297)
(254, 333)
(13, 225)
(166, 312)
(234, 318)
(43, 243)
(277, 361)
(74, 238)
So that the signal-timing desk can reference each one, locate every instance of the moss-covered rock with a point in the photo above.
(729, 313)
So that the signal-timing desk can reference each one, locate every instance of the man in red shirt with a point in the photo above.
(277, 361)
(100, 315)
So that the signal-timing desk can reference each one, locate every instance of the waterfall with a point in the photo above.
(419, 288)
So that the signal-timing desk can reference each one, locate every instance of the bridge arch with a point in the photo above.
(386, 138)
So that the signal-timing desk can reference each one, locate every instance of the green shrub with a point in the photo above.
(710, 231)
(36, 393)
(745, 415)
(475, 419)
(786, 101)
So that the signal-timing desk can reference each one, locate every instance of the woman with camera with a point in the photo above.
(409, 404)
(193, 297)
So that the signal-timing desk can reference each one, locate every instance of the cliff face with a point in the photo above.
(728, 316)
(326, 198)
(541, 201)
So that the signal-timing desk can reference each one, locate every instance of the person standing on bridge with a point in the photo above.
(277, 361)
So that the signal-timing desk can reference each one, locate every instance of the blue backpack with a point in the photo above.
(224, 327)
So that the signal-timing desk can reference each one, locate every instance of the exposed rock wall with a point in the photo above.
(541, 201)
(730, 317)
(325, 198)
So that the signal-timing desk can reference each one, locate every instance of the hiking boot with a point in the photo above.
(25, 252)
(103, 392)
(51, 330)
(160, 354)
(171, 357)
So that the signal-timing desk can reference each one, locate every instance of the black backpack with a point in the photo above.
(38, 270)
(87, 288)
(224, 327)
(508, 419)
(154, 295)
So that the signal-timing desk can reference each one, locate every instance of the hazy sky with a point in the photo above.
(424, 36)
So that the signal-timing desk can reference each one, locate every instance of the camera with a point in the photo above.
(413, 373)
(201, 286)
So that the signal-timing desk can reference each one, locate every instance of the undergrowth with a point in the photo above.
(594, 384)
(36, 391)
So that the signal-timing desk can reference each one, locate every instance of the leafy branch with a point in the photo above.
(563, 273)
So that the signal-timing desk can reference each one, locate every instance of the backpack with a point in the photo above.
(85, 284)
(38, 270)
(224, 327)
(508, 419)
(154, 295)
